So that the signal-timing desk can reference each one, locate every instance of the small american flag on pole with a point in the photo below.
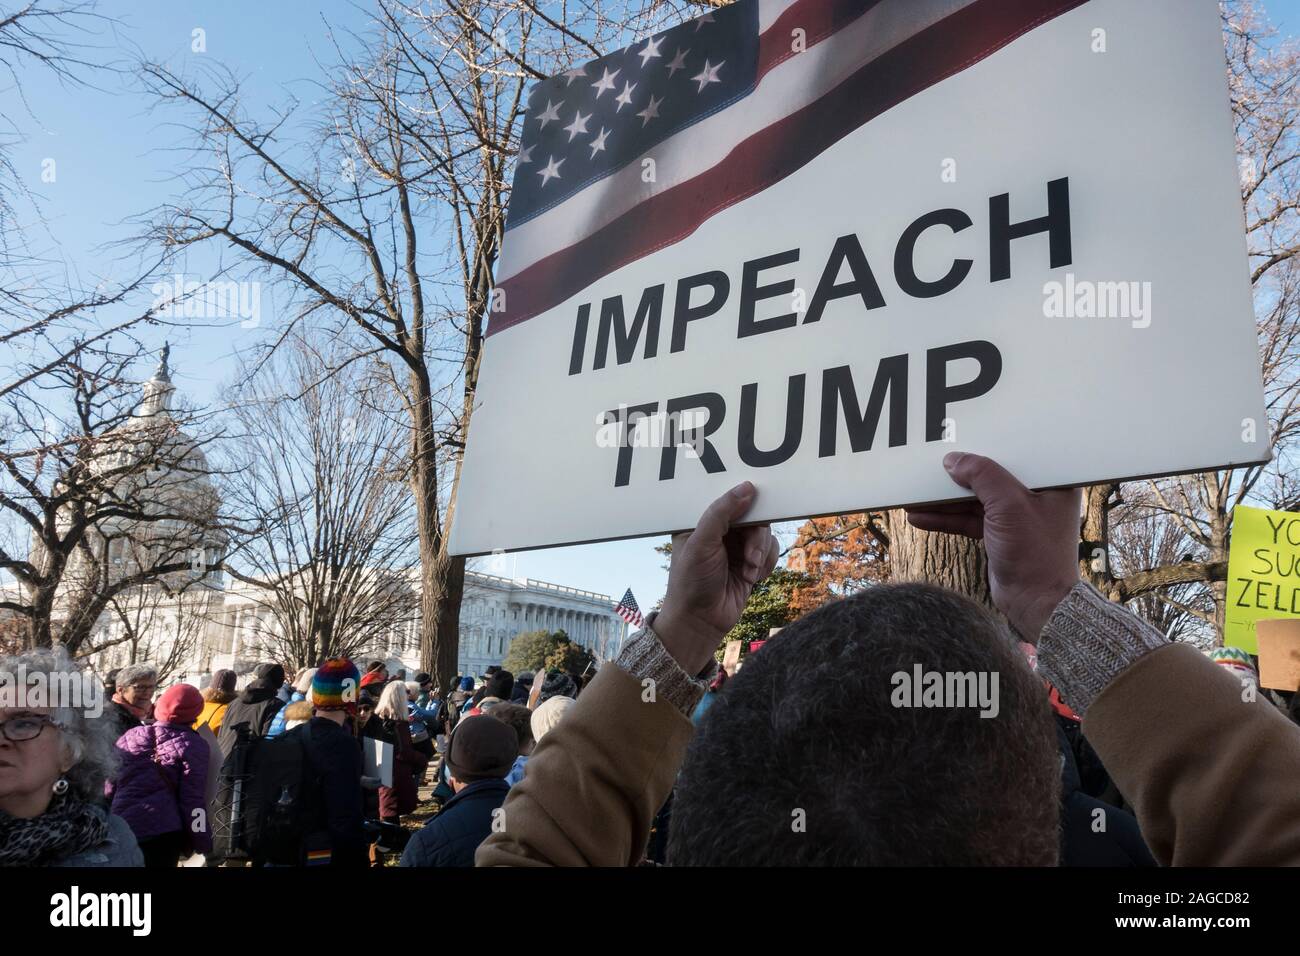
(723, 106)
(628, 610)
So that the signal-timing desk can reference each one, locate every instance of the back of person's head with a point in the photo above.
(500, 684)
(548, 714)
(557, 684)
(392, 702)
(481, 748)
(517, 717)
(223, 681)
(334, 686)
(302, 682)
(179, 704)
(818, 754)
(269, 676)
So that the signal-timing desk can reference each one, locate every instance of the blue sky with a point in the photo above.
(115, 159)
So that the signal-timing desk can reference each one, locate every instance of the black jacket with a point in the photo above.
(254, 708)
(1094, 833)
(451, 838)
(335, 759)
(124, 719)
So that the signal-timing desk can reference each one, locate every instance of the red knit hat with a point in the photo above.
(179, 704)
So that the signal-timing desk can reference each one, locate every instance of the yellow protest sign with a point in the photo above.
(1263, 573)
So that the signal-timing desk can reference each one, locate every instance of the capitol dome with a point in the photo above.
(154, 467)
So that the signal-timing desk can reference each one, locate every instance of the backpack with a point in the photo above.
(267, 805)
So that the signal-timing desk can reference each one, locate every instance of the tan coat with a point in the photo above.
(1215, 781)
(595, 782)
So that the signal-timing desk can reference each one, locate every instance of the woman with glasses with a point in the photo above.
(53, 764)
(132, 704)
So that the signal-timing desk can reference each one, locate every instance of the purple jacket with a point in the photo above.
(160, 785)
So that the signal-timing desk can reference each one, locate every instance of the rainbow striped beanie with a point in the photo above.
(335, 686)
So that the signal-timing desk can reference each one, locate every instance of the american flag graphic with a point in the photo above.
(725, 105)
(628, 610)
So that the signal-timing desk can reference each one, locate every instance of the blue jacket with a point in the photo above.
(517, 771)
(451, 838)
(428, 715)
(277, 722)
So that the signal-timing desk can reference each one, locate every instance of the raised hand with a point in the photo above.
(714, 569)
(1032, 537)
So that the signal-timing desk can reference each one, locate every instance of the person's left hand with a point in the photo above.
(714, 568)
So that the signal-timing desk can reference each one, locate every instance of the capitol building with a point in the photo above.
(493, 611)
(213, 622)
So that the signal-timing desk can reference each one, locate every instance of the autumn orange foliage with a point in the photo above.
(840, 555)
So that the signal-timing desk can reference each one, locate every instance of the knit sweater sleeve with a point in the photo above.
(1088, 642)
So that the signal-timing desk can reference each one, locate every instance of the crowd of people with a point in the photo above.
(151, 779)
(1102, 743)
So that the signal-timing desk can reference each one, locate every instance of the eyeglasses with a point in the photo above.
(27, 727)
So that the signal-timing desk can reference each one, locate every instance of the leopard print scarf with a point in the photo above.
(66, 827)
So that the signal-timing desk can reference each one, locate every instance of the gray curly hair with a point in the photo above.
(89, 740)
(131, 673)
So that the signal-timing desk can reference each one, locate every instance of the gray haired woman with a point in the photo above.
(132, 705)
(56, 750)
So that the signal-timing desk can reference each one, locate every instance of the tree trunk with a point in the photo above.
(441, 577)
(1094, 560)
(443, 663)
(948, 560)
(1220, 539)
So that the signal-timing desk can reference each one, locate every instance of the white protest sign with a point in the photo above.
(377, 760)
(905, 228)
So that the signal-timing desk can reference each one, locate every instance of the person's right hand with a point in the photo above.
(1032, 537)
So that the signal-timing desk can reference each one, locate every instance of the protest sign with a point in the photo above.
(731, 656)
(377, 760)
(819, 244)
(1263, 573)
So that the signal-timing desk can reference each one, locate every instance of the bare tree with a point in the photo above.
(390, 220)
(161, 622)
(1141, 539)
(318, 475)
(48, 40)
(1264, 79)
(101, 492)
